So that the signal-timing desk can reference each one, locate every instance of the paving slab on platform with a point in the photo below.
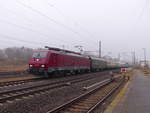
(136, 97)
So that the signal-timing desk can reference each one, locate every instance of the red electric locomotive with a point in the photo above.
(55, 60)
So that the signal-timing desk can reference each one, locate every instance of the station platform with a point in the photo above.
(134, 97)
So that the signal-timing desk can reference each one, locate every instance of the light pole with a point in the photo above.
(119, 57)
(100, 49)
(133, 58)
(145, 56)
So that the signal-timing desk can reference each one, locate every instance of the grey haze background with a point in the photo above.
(122, 25)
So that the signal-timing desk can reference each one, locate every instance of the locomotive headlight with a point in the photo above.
(30, 65)
(42, 65)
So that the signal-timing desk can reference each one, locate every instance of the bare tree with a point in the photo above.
(2, 55)
(17, 55)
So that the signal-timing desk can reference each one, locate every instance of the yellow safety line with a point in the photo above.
(118, 98)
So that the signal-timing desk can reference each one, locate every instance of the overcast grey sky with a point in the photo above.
(121, 25)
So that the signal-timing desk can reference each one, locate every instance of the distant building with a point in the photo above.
(142, 63)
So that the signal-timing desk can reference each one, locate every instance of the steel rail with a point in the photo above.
(104, 98)
(57, 109)
(17, 82)
(16, 93)
(13, 73)
(77, 99)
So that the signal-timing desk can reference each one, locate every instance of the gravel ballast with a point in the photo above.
(41, 103)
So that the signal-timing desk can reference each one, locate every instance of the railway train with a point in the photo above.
(51, 61)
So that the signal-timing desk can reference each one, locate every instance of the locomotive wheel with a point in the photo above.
(46, 74)
(62, 73)
(72, 72)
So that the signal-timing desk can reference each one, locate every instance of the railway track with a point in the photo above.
(16, 82)
(88, 102)
(17, 93)
(19, 82)
(13, 73)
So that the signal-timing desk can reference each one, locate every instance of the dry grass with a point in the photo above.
(146, 71)
(13, 68)
(130, 73)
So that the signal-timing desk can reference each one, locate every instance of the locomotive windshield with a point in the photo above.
(39, 54)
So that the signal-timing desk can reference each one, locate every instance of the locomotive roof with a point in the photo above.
(67, 52)
(58, 49)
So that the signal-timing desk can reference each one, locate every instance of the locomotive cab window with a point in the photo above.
(40, 54)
